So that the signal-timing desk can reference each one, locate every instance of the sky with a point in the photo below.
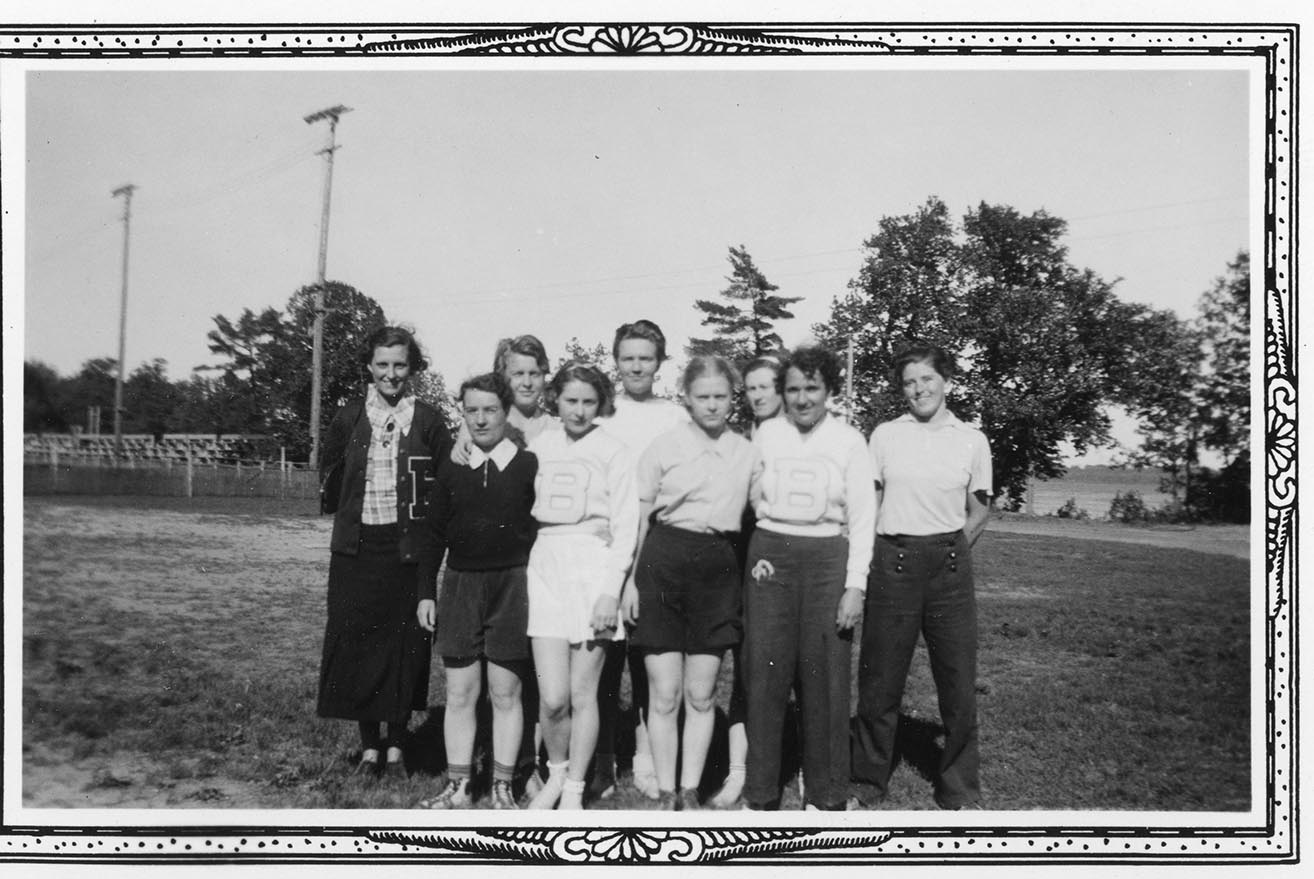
(475, 201)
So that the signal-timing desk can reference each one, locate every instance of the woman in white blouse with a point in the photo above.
(805, 575)
(933, 474)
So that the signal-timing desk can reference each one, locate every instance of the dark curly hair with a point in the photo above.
(578, 370)
(812, 361)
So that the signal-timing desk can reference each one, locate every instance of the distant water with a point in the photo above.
(1094, 489)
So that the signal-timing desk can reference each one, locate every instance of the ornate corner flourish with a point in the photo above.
(632, 845)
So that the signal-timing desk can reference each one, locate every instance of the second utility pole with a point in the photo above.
(126, 192)
(317, 355)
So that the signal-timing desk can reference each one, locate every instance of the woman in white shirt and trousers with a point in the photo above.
(934, 480)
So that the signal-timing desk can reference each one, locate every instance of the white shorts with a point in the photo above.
(566, 575)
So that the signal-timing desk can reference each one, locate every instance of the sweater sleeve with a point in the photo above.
(337, 436)
(860, 500)
(623, 514)
(432, 543)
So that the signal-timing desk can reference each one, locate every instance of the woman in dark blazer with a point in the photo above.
(384, 448)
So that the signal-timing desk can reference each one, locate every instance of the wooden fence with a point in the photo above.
(79, 472)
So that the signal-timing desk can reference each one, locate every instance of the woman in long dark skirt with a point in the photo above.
(375, 666)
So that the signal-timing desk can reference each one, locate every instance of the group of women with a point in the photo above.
(648, 522)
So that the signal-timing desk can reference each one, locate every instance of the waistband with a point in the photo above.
(601, 532)
(674, 532)
(943, 539)
(387, 531)
(820, 529)
(799, 539)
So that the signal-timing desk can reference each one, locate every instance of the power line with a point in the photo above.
(1156, 207)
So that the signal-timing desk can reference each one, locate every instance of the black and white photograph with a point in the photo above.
(874, 441)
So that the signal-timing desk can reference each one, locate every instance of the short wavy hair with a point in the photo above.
(388, 337)
(489, 383)
(578, 370)
(762, 361)
(640, 329)
(922, 352)
(526, 346)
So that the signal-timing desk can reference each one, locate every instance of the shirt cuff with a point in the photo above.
(856, 580)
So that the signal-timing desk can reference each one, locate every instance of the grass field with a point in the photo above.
(170, 655)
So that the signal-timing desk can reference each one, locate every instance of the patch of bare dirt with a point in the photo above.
(54, 780)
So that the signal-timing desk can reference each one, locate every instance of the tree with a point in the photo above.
(598, 355)
(41, 394)
(213, 405)
(149, 400)
(1224, 326)
(93, 385)
(1048, 344)
(906, 289)
(349, 319)
(249, 386)
(265, 384)
(430, 387)
(1191, 393)
(1165, 401)
(745, 323)
(1041, 346)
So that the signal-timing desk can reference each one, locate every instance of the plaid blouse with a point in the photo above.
(388, 424)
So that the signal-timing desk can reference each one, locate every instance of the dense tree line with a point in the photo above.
(1045, 349)
(260, 383)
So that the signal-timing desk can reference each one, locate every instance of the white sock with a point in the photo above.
(551, 791)
(572, 794)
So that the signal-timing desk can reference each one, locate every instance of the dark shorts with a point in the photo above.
(688, 592)
(483, 613)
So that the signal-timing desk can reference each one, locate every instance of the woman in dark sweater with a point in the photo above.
(375, 664)
(479, 516)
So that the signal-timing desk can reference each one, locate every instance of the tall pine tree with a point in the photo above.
(745, 322)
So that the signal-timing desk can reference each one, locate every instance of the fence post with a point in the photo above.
(54, 469)
(282, 466)
(187, 482)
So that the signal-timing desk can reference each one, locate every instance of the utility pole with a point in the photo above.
(848, 380)
(125, 191)
(317, 356)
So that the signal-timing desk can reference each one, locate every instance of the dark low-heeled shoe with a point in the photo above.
(395, 770)
(367, 768)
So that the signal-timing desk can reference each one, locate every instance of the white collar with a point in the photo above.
(951, 420)
(501, 455)
(380, 413)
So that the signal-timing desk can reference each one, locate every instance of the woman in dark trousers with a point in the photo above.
(804, 579)
(375, 665)
(933, 475)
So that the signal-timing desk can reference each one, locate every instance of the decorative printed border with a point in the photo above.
(1274, 841)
